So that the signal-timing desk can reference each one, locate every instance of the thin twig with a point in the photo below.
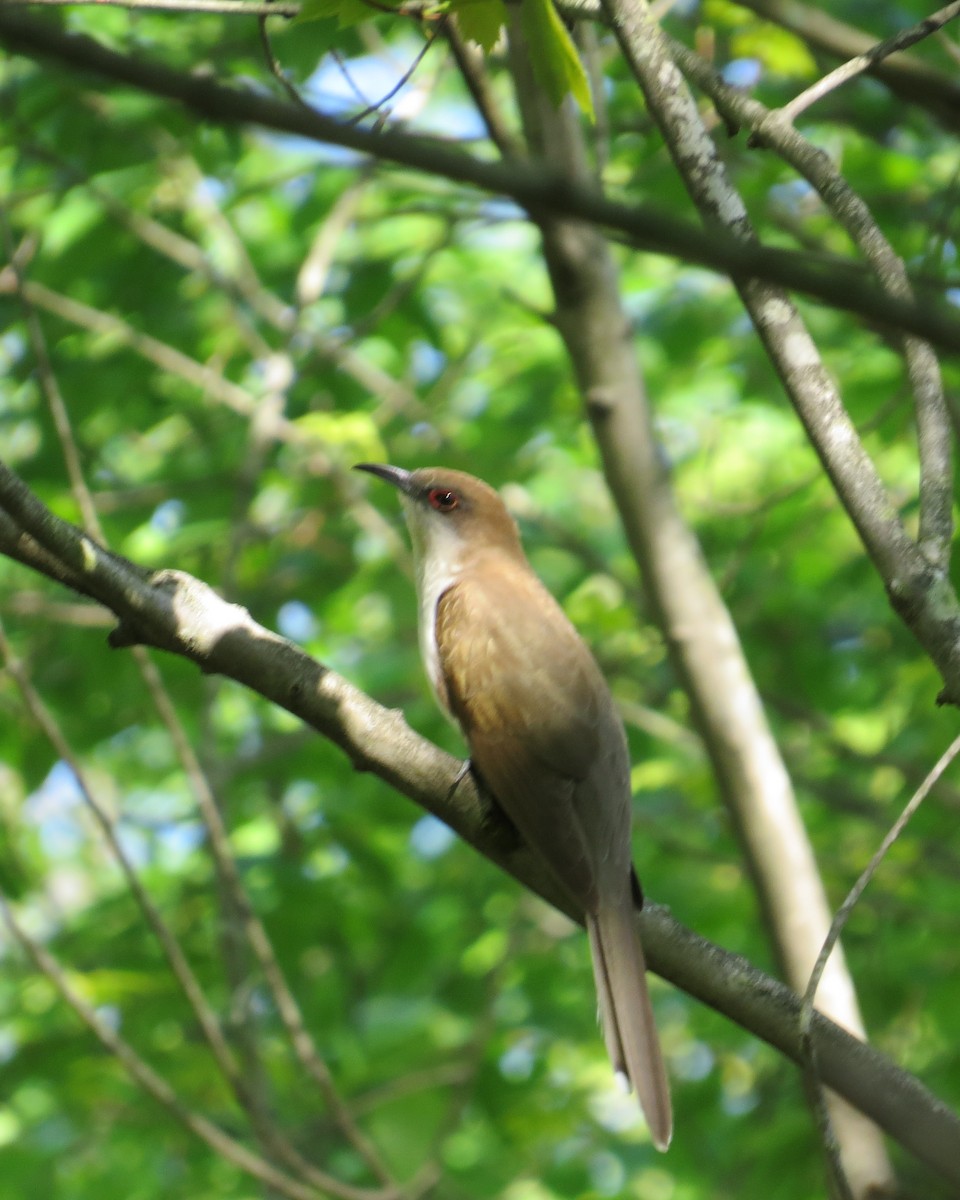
(273, 64)
(812, 1078)
(175, 956)
(148, 1079)
(161, 354)
(314, 272)
(259, 940)
(950, 46)
(51, 388)
(863, 62)
(232, 883)
(401, 82)
(348, 79)
(470, 61)
(843, 913)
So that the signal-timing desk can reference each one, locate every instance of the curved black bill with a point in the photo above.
(395, 475)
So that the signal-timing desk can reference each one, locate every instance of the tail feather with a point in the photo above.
(627, 1015)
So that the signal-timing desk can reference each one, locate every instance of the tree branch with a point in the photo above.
(919, 591)
(180, 614)
(772, 129)
(906, 75)
(535, 186)
(870, 58)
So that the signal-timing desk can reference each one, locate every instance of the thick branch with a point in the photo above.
(920, 592)
(178, 613)
(773, 130)
(535, 186)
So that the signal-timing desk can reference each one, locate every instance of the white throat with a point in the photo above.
(438, 555)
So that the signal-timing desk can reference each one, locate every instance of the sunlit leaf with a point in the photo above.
(481, 21)
(556, 63)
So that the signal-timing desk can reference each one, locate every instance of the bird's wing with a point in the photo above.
(545, 737)
(524, 689)
(512, 661)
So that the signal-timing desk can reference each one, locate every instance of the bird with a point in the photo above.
(544, 736)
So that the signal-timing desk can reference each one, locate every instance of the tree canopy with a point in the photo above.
(699, 325)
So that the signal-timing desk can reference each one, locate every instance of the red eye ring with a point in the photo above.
(442, 499)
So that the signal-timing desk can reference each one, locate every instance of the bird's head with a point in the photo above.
(449, 513)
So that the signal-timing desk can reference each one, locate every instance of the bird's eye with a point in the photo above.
(443, 500)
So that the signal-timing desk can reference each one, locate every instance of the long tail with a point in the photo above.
(627, 1015)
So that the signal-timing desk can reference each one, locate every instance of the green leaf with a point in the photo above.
(318, 10)
(783, 52)
(556, 63)
(481, 21)
(347, 12)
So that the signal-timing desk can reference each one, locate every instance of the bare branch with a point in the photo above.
(168, 358)
(401, 83)
(470, 61)
(273, 63)
(812, 1076)
(906, 75)
(51, 388)
(833, 280)
(770, 129)
(863, 62)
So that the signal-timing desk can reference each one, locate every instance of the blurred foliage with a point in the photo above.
(397, 318)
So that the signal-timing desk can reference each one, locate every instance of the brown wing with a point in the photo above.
(512, 661)
(544, 735)
(525, 691)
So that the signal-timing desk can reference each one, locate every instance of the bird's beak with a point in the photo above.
(396, 475)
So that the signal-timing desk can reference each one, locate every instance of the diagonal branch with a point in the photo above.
(771, 129)
(535, 186)
(919, 590)
(870, 59)
(175, 612)
(906, 75)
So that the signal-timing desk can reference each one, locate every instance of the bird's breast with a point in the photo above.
(433, 579)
